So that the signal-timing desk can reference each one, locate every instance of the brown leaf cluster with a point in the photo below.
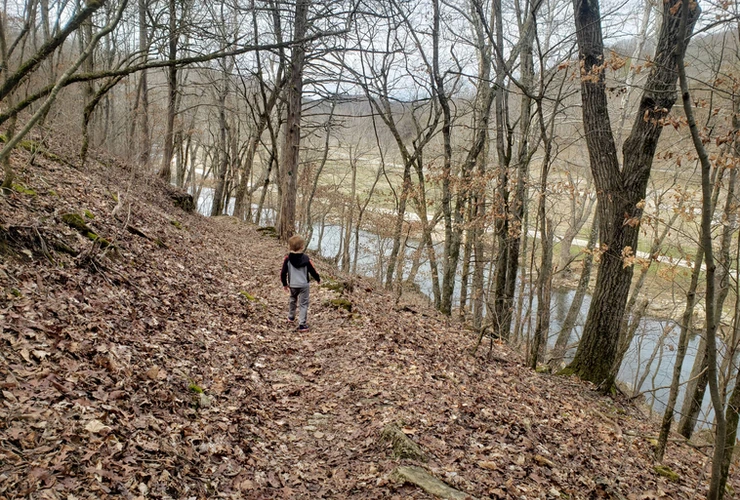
(144, 372)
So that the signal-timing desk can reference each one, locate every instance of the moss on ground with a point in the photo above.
(341, 303)
(76, 221)
(22, 189)
(666, 472)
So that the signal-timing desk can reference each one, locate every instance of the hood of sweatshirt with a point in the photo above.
(298, 259)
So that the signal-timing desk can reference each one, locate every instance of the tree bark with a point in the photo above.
(620, 191)
(143, 114)
(561, 343)
(715, 493)
(165, 170)
(292, 136)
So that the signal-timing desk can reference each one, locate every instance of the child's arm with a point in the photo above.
(313, 272)
(284, 273)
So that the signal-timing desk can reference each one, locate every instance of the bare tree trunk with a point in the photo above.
(561, 343)
(350, 212)
(360, 214)
(502, 302)
(579, 214)
(715, 493)
(143, 113)
(266, 182)
(317, 175)
(620, 189)
(427, 229)
(628, 319)
(243, 193)
(87, 114)
(696, 388)
(292, 138)
(683, 341)
(398, 226)
(544, 291)
(636, 57)
(466, 261)
(165, 170)
(481, 118)
(217, 208)
(544, 280)
(733, 418)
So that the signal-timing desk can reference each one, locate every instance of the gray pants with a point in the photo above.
(299, 295)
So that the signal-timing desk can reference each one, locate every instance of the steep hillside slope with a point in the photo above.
(144, 353)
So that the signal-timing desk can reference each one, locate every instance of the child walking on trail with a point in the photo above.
(295, 274)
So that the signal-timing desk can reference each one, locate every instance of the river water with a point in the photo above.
(372, 255)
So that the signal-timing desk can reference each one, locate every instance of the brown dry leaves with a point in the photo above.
(145, 374)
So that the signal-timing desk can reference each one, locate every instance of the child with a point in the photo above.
(294, 275)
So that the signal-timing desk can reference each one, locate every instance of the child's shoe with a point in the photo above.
(289, 319)
(302, 328)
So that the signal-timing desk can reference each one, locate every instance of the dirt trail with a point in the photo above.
(164, 367)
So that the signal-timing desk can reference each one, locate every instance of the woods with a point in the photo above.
(501, 158)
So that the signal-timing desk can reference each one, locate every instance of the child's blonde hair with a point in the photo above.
(296, 243)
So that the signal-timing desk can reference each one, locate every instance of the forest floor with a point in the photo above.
(145, 353)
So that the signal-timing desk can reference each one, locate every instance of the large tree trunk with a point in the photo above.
(292, 138)
(561, 343)
(144, 146)
(502, 303)
(481, 118)
(217, 208)
(452, 232)
(165, 171)
(620, 191)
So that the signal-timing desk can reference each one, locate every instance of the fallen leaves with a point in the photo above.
(96, 427)
(100, 365)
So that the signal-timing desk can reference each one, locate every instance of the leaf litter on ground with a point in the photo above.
(141, 370)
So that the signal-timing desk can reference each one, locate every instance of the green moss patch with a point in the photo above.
(20, 188)
(334, 286)
(341, 303)
(177, 224)
(269, 231)
(76, 221)
(247, 296)
(666, 472)
(30, 146)
(566, 372)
